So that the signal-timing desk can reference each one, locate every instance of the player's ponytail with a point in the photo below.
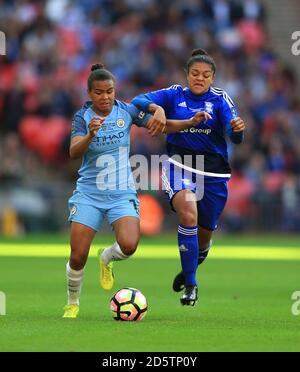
(97, 66)
(201, 56)
(98, 72)
(199, 52)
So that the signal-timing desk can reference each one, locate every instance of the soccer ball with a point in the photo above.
(128, 304)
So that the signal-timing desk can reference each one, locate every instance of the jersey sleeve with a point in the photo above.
(228, 112)
(138, 116)
(78, 126)
(161, 97)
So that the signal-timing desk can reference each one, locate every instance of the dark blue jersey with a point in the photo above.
(206, 139)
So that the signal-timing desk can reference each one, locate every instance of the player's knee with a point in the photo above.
(188, 217)
(128, 246)
(77, 261)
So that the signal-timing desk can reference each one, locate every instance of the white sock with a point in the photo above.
(113, 253)
(74, 283)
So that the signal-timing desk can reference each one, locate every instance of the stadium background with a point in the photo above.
(249, 287)
(50, 48)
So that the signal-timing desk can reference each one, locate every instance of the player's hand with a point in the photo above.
(157, 123)
(95, 125)
(201, 115)
(237, 124)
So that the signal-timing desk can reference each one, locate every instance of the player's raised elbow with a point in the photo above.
(74, 154)
(77, 147)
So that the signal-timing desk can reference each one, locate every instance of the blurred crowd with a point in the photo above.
(52, 44)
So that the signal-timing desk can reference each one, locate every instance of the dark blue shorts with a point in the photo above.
(211, 193)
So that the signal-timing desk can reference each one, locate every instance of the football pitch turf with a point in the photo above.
(245, 298)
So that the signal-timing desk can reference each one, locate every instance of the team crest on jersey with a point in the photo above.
(234, 113)
(73, 210)
(120, 123)
(208, 107)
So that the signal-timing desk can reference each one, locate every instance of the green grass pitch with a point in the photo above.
(245, 303)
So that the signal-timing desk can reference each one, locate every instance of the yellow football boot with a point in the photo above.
(106, 278)
(71, 311)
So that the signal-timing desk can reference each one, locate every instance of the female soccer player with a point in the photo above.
(198, 214)
(105, 188)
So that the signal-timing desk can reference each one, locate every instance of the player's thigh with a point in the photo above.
(125, 219)
(81, 236)
(181, 190)
(211, 206)
(85, 220)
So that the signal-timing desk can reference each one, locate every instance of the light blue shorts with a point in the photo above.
(91, 212)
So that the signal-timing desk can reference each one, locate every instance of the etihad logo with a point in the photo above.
(109, 139)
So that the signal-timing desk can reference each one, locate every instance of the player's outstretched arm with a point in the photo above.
(157, 123)
(237, 126)
(174, 126)
(80, 144)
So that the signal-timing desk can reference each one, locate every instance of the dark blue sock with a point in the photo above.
(188, 249)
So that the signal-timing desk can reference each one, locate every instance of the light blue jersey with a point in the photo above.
(105, 168)
(105, 187)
